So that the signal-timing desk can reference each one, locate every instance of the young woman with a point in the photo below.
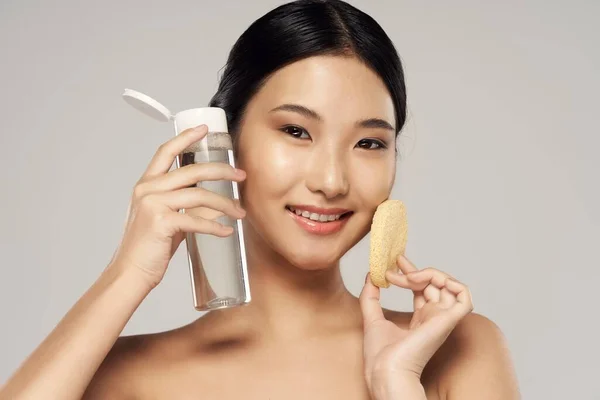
(315, 98)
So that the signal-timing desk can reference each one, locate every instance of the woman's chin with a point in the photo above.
(309, 254)
(313, 261)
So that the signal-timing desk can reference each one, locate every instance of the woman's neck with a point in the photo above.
(290, 303)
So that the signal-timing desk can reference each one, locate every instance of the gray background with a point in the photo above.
(500, 168)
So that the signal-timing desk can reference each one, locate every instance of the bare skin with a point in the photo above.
(302, 335)
(215, 359)
(233, 360)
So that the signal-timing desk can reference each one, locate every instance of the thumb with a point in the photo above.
(177, 239)
(369, 303)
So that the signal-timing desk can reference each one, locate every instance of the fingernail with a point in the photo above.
(367, 278)
(240, 172)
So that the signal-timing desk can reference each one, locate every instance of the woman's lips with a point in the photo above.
(317, 227)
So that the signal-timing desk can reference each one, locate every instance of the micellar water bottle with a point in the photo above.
(218, 266)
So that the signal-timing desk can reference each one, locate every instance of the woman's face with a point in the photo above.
(319, 133)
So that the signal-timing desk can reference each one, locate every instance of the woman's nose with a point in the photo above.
(327, 173)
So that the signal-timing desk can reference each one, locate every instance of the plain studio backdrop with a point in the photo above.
(500, 171)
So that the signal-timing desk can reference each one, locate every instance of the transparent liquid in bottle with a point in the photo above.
(217, 264)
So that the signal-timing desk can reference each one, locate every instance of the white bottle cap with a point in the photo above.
(213, 117)
(147, 105)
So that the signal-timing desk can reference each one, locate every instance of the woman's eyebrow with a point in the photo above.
(373, 123)
(297, 108)
(376, 123)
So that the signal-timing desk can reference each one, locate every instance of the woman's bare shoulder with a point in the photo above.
(474, 354)
(116, 377)
(133, 358)
(475, 359)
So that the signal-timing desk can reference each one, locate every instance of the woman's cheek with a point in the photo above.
(280, 158)
(373, 181)
(272, 168)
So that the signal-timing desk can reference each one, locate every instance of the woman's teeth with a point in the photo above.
(314, 216)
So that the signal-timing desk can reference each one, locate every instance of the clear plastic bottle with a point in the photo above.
(218, 266)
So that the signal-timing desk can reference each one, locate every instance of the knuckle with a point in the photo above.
(200, 190)
(146, 202)
(216, 226)
(160, 220)
(225, 170)
(199, 171)
(139, 190)
(162, 148)
(205, 224)
(167, 149)
(362, 300)
(199, 193)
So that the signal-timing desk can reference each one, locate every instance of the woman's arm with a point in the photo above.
(65, 362)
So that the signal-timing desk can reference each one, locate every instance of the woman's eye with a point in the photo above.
(295, 131)
(371, 144)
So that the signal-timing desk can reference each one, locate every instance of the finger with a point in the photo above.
(464, 302)
(166, 153)
(447, 298)
(403, 282)
(419, 300)
(429, 276)
(188, 224)
(409, 281)
(430, 292)
(405, 265)
(177, 239)
(190, 175)
(431, 281)
(369, 303)
(189, 198)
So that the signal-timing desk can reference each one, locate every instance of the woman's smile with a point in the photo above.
(319, 221)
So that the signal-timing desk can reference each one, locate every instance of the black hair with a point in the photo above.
(299, 30)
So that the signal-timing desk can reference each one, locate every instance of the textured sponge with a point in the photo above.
(388, 240)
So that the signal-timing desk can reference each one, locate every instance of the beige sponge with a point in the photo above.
(388, 240)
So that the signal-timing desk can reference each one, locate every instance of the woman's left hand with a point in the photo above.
(394, 356)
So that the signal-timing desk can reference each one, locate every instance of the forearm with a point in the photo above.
(65, 362)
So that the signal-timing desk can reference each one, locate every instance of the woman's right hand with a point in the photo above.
(155, 228)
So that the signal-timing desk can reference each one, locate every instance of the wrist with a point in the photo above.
(399, 387)
(132, 280)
